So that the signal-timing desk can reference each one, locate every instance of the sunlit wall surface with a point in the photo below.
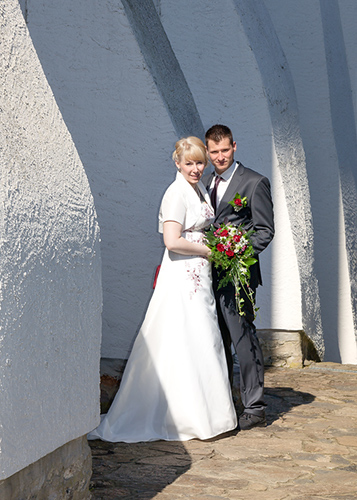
(50, 271)
(132, 77)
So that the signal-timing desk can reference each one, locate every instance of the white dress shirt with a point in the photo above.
(226, 178)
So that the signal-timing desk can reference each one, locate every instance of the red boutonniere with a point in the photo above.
(238, 202)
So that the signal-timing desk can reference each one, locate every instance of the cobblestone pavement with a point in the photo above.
(307, 451)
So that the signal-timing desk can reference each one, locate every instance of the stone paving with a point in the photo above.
(307, 451)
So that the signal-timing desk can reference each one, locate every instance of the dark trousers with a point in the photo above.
(240, 331)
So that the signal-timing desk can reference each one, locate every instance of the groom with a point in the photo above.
(230, 178)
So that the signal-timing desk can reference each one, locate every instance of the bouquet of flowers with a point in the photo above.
(232, 252)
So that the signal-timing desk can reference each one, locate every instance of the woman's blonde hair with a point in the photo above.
(190, 148)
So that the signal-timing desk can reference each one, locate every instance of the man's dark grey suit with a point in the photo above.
(257, 215)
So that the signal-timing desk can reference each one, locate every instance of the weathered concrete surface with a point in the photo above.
(308, 451)
(63, 474)
(286, 349)
(50, 265)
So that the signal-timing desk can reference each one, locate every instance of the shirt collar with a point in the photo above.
(227, 174)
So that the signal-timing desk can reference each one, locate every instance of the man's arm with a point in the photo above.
(261, 205)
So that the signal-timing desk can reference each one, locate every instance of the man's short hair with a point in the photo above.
(218, 132)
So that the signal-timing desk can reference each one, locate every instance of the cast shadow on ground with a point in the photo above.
(281, 400)
(136, 470)
(142, 470)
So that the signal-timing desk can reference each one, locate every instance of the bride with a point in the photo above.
(175, 385)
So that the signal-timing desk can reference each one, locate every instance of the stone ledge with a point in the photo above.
(283, 348)
(63, 474)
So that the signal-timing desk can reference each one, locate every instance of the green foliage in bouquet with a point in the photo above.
(232, 254)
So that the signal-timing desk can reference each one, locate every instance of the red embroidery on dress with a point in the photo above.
(207, 211)
(194, 275)
(195, 266)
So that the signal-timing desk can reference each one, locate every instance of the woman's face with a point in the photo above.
(192, 170)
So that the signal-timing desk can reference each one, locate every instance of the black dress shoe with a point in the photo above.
(249, 420)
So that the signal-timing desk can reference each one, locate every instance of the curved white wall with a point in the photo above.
(305, 49)
(50, 288)
(271, 86)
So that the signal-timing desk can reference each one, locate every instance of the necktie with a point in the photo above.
(214, 192)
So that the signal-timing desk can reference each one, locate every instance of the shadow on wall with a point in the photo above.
(327, 253)
(92, 118)
(344, 133)
(98, 91)
(333, 183)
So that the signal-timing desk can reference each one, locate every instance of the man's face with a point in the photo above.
(221, 154)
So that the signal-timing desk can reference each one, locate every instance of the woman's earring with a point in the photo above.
(178, 168)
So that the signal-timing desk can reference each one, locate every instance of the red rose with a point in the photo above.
(236, 238)
(223, 232)
(238, 202)
(229, 253)
(220, 247)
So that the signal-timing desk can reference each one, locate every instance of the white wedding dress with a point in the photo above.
(175, 385)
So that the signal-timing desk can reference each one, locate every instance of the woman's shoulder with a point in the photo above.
(179, 188)
(173, 205)
(173, 191)
(174, 186)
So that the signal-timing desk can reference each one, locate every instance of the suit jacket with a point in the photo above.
(257, 215)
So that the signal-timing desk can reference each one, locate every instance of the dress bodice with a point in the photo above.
(204, 218)
(191, 207)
